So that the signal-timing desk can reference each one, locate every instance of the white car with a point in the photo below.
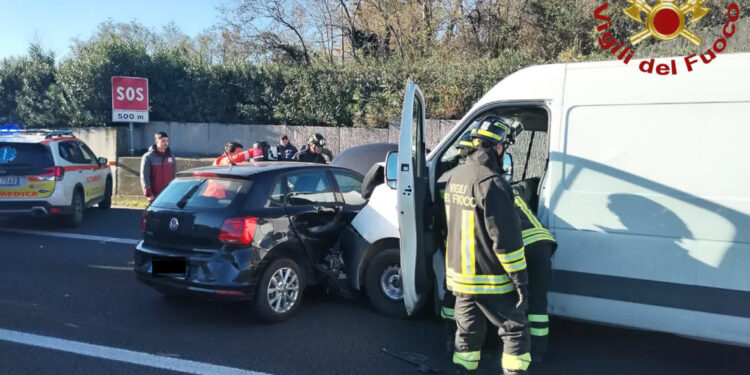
(44, 173)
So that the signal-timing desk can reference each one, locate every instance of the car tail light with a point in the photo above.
(56, 174)
(196, 174)
(238, 230)
(143, 220)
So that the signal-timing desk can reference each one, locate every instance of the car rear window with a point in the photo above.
(30, 155)
(202, 193)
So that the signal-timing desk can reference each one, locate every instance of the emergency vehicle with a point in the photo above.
(642, 179)
(51, 173)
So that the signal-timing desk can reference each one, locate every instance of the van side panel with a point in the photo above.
(657, 193)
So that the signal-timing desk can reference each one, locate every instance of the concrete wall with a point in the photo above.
(128, 172)
(198, 140)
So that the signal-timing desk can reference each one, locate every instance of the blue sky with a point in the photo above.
(56, 23)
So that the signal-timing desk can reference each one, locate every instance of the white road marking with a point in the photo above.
(76, 236)
(114, 268)
(122, 355)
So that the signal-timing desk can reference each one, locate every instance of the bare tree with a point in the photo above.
(279, 25)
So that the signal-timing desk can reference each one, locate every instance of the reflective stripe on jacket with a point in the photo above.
(532, 230)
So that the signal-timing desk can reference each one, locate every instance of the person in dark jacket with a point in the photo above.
(485, 257)
(324, 150)
(286, 148)
(158, 167)
(311, 154)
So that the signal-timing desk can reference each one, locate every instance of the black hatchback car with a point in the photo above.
(249, 232)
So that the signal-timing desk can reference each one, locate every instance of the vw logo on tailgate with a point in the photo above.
(174, 224)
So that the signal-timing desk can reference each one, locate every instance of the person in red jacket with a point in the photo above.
(231, 150)
(158, 167)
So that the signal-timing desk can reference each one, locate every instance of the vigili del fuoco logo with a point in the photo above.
(665, 21)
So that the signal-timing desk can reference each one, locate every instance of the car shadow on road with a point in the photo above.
(113, 222)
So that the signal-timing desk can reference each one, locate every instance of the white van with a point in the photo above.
(643, 179)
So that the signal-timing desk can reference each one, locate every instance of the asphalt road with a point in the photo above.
(79, 297)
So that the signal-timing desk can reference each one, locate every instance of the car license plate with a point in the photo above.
(172, 267)
(10, 181)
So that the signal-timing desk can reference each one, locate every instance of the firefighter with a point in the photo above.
(485, 257)
(540, 245)
(449, 301)
(311, 154)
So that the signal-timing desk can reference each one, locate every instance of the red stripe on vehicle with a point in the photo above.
(49, 141)
(72, 168)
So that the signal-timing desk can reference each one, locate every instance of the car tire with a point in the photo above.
(106, 203)
(77, 206)
(383, 284)
(275, 306)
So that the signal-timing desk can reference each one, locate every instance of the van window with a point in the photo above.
(532, 143)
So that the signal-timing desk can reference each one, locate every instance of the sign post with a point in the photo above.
(130, 102)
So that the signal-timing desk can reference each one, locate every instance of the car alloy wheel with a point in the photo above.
(283, 290)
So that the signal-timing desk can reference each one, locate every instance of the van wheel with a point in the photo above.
(75, 217)
(279, 291)
(106, 203)
(383, 284)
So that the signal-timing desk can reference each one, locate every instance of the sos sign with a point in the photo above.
(129, 99)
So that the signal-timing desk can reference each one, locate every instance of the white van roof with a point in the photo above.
(725, 79)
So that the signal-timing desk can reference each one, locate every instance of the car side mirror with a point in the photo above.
(391, 169)
(103, 161)
(508, 166)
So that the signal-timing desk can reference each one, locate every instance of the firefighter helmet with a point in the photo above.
(317, 139)
(496, 129)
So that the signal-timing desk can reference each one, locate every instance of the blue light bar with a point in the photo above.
(9, 129)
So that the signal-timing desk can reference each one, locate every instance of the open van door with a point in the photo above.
(413, 201)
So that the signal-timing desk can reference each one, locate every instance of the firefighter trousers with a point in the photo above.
(538, 260)
(471, 314)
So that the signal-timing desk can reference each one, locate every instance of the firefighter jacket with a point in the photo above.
(532, 231)
(309, 157)
(485, 252)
